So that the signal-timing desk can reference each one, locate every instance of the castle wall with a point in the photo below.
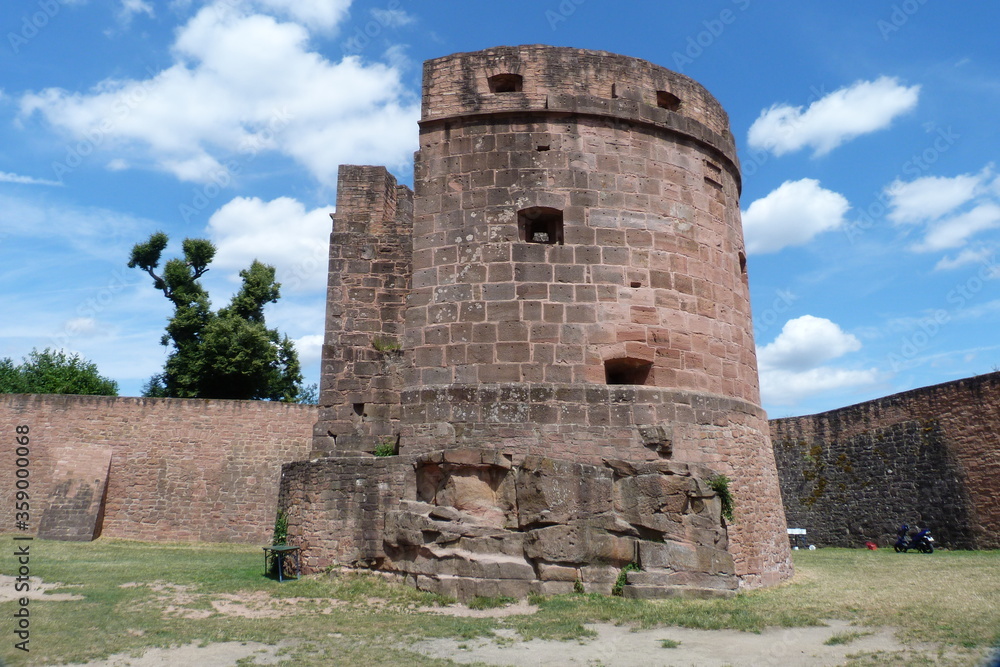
(180, 469)
(927, 457)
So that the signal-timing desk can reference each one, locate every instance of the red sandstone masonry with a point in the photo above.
(961, 417)
(521, 335)
(181, 469)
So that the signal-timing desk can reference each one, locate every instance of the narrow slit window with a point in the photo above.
(540, 224)
(627, 371)
(506, 83)
(668, 101)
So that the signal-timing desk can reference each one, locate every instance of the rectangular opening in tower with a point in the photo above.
(506, 83)
(666, 100)
(627, 371)
(540, 224)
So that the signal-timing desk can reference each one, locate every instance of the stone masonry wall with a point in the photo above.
(927, 457)
(369, 279)
(181, 469)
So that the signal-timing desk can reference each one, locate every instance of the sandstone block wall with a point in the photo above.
(180, 469)
(468, 522)
(369, 279)
(928, 457)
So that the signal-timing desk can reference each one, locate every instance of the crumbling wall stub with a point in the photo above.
(369, 280)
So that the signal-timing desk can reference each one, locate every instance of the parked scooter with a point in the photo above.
(919, 540)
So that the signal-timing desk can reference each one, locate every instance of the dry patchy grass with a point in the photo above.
(137, 595)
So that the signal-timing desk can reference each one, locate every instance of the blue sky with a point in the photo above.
(867, 132)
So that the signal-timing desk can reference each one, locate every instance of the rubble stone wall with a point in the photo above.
(180, 469)
(927, 457)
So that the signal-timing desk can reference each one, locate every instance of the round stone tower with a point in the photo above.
(551, 335)
(579, 285)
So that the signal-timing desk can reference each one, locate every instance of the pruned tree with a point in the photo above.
(230, 353)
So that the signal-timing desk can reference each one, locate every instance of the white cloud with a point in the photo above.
(310, 349)
(964, 258)
(955, 231)
(951, 211)
(323, 14)
(863, 107)
(930, 197)
(793, 214)
(279, 232)
(392, 18)
(805, 343)
(129, 8)
(7, 177)
(791, 366)
(788, 387)
(241, 84)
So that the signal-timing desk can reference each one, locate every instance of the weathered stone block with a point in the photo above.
(578, 544)
(551, 491)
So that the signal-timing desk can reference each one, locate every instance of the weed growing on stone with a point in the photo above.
(669, 643)
(619, 588)
(720, 484)
(386, 447)
(386, 345)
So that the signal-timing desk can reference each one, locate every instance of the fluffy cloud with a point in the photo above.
(865, 106)
(929, 197)
(792, 215)
(243, 83)
(951, 210)
(792, 366)
(954, 231)
(279, 232)
(807, 342)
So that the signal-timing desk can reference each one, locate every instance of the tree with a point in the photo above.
(54, 372)
(225, 354)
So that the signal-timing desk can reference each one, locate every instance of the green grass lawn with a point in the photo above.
(138, 594)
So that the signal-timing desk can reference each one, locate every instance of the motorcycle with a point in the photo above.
(920, 540)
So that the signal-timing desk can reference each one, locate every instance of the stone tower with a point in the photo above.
(576, 315)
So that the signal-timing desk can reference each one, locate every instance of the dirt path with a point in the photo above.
(616, 646)
(612, 647)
